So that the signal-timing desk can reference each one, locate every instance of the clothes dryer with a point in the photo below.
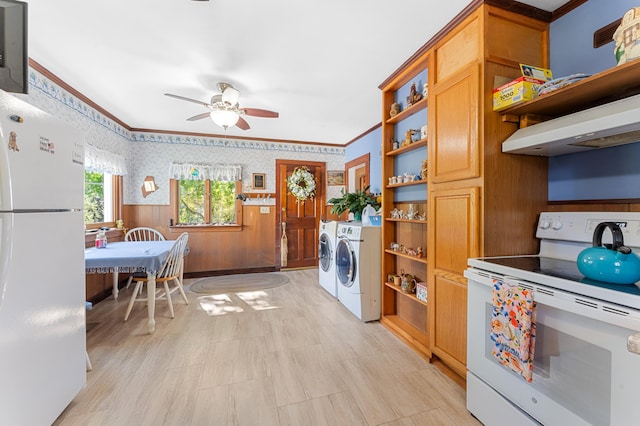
(358, 269)
(326, 256)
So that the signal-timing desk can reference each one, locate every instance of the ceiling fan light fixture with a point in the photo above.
(230, 96)
(224, 118)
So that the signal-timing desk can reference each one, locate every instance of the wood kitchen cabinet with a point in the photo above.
(455, 152)
(480, 202)
(454, 227)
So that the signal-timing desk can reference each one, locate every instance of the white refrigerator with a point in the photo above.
(42, 280)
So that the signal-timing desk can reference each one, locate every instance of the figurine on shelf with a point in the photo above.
(424, 170)
(627, 37)
(395, 109)
(408, 137)
(414, 96)
(411, 214)
(419, 252)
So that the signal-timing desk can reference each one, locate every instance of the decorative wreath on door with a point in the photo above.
(302, 184)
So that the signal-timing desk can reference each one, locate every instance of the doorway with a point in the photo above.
(301, 219)
(357, 173)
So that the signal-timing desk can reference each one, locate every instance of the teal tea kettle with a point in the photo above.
(612, 263)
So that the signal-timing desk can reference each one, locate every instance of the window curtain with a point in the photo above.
(100, 161)
(190, 171)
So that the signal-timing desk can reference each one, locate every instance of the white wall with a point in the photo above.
(255, 157)
(608, 173)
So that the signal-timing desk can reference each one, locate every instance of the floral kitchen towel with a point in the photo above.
(513, 328)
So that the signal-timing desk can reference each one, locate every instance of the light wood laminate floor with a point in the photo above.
(291, 355)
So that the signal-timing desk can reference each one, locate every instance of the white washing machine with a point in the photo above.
(358, 269)
(326, 256)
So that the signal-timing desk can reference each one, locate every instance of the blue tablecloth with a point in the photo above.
(127, 256)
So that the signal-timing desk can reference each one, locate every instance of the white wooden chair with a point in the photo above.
(142, 234)
(170, 272)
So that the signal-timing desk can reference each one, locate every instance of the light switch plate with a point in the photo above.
(264, 210)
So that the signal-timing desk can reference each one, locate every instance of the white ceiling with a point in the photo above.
(318, 63)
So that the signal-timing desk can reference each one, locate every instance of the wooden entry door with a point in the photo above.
(301, 219)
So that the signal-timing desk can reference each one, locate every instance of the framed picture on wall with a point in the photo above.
(259, 181)
(335, 177)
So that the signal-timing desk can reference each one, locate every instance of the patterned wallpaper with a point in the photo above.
(150, 154)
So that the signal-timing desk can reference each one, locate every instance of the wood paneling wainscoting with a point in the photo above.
(212, 251)
(214, 248)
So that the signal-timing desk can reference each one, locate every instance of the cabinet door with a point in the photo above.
(454, 149)
(454, 237)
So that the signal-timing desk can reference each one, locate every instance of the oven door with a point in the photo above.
(583, 373)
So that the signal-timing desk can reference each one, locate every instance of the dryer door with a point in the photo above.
(346, 262)
(325, 252)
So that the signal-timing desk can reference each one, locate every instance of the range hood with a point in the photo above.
(612, 124)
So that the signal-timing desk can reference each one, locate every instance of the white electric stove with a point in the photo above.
(586, 368)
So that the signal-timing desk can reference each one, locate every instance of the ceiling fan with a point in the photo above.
(225, 110)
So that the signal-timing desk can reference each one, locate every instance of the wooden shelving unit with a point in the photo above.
(403, 313)
(409, 295)
(611, 85)
(391, 219)
(467, 212)
(406, 256)
(408, 112)
(415, 182)
(406, 148)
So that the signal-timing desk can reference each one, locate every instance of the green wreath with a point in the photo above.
(302, 183)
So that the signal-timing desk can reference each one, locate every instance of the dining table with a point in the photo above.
(131, 257)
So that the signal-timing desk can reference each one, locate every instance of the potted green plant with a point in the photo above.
(354, 202)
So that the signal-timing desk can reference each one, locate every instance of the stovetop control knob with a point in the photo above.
(545, 224)
(557, 225)
(633, 343)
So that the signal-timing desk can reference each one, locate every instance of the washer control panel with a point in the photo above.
(349, 232)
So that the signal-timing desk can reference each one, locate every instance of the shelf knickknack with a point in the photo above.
(302, 184)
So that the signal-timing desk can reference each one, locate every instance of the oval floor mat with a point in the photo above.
(238, 283)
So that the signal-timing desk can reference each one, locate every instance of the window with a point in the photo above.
(98, 197)
(208, 202)
(103, 172)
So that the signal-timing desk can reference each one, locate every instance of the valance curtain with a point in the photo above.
(191, 171)
(100, 161)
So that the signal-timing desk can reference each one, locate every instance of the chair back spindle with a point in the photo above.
(143, 234)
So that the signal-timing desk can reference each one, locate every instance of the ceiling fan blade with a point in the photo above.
(242, 123)
(199, 116)
(257, 112)
(188, 99)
